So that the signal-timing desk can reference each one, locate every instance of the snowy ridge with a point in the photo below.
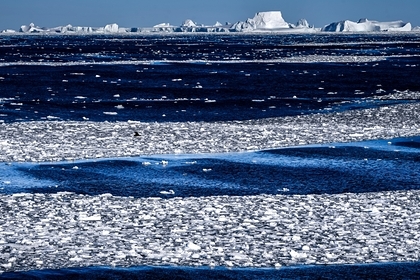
(73, 230)
(57, 140)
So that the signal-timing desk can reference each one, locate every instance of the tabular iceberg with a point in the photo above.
(365, 25)
(270, 21)
(32, 28)
(262, 21)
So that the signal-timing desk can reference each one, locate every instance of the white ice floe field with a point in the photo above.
(294, 150)
(58, 140)
(69, 230)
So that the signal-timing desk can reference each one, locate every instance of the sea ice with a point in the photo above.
(207, 231)
(85, 139)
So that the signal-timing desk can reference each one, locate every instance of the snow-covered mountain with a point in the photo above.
(271, 21)
(365, 25)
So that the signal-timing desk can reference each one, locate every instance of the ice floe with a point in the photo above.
(40, 231)
(70, 140)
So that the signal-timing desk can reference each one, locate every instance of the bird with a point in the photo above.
(136, 134)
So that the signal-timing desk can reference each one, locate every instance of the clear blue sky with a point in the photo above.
(145, 13)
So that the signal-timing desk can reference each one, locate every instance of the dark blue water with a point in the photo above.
(374, 271)
(356, 167)
(197, 78)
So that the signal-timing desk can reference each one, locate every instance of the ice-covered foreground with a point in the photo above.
(56, 140)
(68, 230)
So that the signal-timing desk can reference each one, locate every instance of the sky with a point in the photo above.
(141, 13)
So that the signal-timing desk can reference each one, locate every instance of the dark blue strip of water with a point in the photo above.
(365, 271)
(354, 168)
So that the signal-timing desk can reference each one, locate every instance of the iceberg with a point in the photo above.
(270, 21)
(8, 31)
(31, 28)
(111, 28)
(262, 21)
(302, 23)
(188, 23)
(163, 27)
(365, 25)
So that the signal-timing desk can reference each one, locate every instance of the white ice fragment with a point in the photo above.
(146, 163)
(110, 113)
(120, 107)
(356, 135)
(75, 167)
(193, 247)
(91, 218)
(116, 95)
(297, 255)
(330, 256)
(7, 265)
(206, 169)
(222, 219)
(170, 192)
(229, 263)
(76, 259)
(238, 256)
(296, 238)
